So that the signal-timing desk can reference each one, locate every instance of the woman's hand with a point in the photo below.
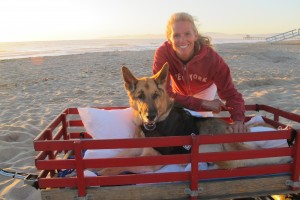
(215, 105)
(239, 127)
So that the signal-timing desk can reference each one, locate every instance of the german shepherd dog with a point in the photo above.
(156, 115)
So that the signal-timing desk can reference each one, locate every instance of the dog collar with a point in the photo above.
(149, 128)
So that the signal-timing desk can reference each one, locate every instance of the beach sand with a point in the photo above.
(35, 90)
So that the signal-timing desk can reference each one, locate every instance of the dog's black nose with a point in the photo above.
(151, 116)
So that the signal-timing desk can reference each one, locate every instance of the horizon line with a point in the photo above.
(149, 36)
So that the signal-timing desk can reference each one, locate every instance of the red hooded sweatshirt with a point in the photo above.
(204, 69)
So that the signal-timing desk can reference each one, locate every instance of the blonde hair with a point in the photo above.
(182, 16)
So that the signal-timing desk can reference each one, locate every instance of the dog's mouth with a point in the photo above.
(149, 126)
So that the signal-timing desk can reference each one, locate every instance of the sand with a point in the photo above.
(35, 90)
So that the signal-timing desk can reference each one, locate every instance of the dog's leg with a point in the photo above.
(253, 162)
(264, 161)
(132, 169)
(144, 169)
(246, 162)
(132, 152)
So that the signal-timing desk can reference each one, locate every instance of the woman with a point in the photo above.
(197, 72)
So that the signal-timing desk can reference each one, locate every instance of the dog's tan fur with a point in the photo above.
(151, 104)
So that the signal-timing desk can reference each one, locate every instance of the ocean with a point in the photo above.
(13, 50)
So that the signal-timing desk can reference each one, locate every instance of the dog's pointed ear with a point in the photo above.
(129, 79)
(161, 76)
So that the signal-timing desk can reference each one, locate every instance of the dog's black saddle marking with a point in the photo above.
(178, 123)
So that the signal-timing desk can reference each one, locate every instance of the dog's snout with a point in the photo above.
(151, 116)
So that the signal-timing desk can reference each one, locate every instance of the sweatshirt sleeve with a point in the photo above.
(227, 90)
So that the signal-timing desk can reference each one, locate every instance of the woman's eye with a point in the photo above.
(176, 36)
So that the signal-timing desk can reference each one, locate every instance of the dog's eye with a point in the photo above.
(141, 96)
(155, 96)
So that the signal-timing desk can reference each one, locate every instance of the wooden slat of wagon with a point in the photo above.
(52, 145)
(244, 137)
(55, 164)
(215, 189)
(281, 113)
(55, 182)
(296, 161)
(137, 142)
(75, 110)
(61, 118)
(75, 123)
(137, 161)
(138, 179)
(245, 172)
(245, 154)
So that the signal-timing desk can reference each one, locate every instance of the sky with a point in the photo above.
(41, 20)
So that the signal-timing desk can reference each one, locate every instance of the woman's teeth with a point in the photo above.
(183, 47)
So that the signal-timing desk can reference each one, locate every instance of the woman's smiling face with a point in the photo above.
(183, 37)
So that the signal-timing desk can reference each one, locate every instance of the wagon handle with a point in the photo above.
(29, 179)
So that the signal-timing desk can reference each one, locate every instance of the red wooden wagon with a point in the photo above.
(58, 140)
